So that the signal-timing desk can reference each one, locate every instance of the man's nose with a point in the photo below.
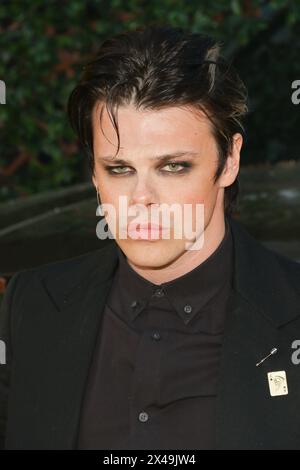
(143, 193)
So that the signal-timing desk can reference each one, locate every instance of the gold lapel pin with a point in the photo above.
(277, 383)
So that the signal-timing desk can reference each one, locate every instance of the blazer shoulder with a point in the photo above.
(68, 266)
(291, 269)
(64, 274)
(280, 265)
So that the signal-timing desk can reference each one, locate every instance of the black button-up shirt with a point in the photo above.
(153, 380)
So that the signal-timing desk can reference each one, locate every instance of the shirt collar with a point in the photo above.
(189, 294)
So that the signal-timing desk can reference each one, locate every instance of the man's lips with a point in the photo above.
(144, 229)
(144, 225)
(149, 226)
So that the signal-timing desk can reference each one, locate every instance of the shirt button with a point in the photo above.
(187, 308)
(158, 293)
(156, 335)
(134, 304)
(143, 417)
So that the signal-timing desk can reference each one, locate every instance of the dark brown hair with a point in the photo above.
(157, 67)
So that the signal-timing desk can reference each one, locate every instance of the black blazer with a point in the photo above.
(50, 317)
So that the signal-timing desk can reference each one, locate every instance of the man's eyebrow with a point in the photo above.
(160, 158)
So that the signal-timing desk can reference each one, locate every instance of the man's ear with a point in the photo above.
(232, 164)
(95, 181)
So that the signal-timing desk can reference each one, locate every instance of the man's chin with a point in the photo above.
(151, 255)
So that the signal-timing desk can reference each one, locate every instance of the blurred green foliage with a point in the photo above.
(44, 45)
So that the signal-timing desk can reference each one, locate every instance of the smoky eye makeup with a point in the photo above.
(174, 168)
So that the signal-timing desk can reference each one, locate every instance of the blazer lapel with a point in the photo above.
(243, 388)
(262, 303)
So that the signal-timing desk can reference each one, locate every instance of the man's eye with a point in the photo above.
(116, 170)
(176, 167)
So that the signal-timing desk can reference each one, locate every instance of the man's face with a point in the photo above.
(147, 182)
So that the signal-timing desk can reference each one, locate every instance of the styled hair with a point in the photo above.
(157, 67)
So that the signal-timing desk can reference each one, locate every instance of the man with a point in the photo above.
(154, 341)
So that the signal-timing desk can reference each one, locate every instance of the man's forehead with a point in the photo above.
(101, 111)
(152, 136)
